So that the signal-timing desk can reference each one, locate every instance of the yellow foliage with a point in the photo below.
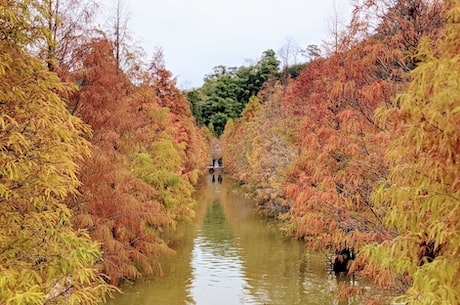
(422, 194)
(257, 149)
(42, 258)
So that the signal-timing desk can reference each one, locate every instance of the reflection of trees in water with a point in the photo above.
(275, 268)
(216, 234)
(171, 284)
(233, 242)
(278, 270)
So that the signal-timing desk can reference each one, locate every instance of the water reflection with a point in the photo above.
(218, 276)
(278, 270)
(231, 256)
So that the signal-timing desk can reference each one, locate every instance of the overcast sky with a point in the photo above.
(197, 35)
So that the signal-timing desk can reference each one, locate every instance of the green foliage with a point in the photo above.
(160, 167)
(142, 166)
(42, 258)
(226, 92)
(422, 194)
(294, 70)
(268, 66)
(218, 121)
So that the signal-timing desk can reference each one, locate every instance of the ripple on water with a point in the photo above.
(218, 275)
(233, 257)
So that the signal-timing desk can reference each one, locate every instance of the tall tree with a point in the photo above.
(119, 24)
(147, 154)
(43, 260)
(226, 91)
(311, 52)
(342, 146)
(118, 208)
(69, 25)
(421, 196)
(289, 54)
(267, 67)
(258, 149)
(336, 29)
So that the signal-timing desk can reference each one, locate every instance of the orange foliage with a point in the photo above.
(124, 203)
(342, 147)
(323, 124)
(257, 150)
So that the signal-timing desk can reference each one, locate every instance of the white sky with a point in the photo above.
(198, 35)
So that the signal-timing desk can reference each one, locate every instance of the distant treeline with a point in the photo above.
(227, 90)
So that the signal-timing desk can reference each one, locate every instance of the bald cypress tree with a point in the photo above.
(421, 196)
(43, 260)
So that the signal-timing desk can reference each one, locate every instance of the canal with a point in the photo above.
(230, 255)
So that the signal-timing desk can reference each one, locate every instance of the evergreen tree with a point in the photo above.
(226, 92)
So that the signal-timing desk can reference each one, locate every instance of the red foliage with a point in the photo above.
(342, 146)
(122, 211)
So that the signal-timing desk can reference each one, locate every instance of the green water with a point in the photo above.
(230, 255)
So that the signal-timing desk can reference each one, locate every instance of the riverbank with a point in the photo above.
(232, 255)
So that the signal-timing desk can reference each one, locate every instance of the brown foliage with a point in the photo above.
(258, 149)
(122, 212)
(124, 202)
(342, 147)
(339, 149)
(421, 193)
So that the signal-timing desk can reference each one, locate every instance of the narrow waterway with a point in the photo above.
(230, 255)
